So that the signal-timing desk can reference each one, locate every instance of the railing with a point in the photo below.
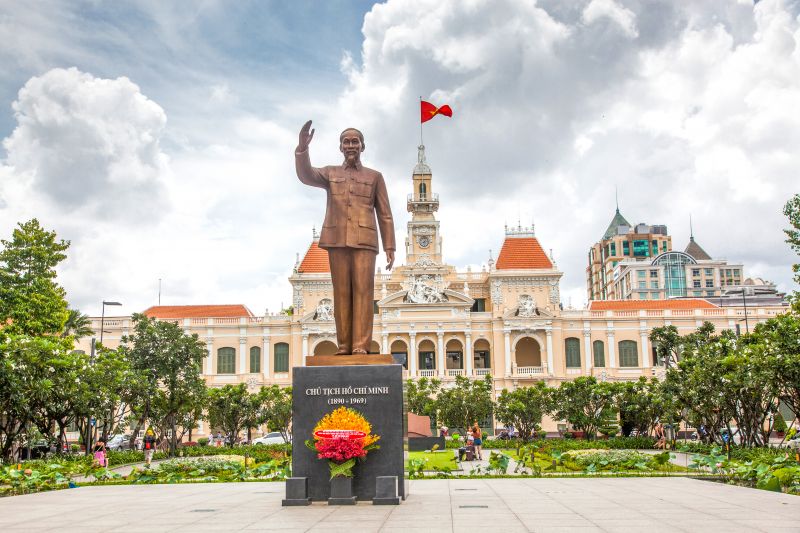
(483, 371)
(453, 372)
(713, 312)
(427, 373)
(683, 312)
(434, 197)
(626, 313)
(574, 371)
(529, 370)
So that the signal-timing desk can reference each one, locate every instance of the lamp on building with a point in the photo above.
(103, 317)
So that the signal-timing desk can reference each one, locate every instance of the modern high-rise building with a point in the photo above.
(638, 263)
(622, 242)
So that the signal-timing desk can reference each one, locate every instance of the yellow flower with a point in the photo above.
(345, 418)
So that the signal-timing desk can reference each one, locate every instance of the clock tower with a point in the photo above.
(423, 243)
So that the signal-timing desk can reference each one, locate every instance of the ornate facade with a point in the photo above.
(505, 321)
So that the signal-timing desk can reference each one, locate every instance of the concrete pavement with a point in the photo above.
(468, 505)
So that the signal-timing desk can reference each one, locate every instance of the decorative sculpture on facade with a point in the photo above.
(527, 306)
(324, 312)
(425, 289)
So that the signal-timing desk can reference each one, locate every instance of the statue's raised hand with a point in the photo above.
(306, 134)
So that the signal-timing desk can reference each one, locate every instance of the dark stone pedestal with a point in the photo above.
(342, 491)
(375, 391)
(420, 444)
(386, 491)
(296, 492)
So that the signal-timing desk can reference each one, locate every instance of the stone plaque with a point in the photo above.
(375, 391)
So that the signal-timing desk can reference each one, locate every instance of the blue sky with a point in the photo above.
(158, 137)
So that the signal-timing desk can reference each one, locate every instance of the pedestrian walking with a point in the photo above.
(149, 445)
(476, 433)
(99, 451)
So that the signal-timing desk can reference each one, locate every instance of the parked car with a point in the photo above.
(271, 438)
(119, 442)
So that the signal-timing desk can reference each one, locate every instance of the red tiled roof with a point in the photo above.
(198, 311)
(522, 253)
(316, 260)
(632, 305)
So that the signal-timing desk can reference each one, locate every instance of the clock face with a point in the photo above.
(424, 241)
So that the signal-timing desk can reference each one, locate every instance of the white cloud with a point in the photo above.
(599, 9)
(685, 107)
(90, 144)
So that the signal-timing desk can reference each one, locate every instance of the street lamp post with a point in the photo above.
(103, 317)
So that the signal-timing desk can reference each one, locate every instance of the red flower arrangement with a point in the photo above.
(341, 437)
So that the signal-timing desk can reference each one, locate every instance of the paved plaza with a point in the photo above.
(468, 505)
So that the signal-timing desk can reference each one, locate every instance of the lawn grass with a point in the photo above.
(439, 459)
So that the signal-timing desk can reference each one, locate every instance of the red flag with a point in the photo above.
(428, 110)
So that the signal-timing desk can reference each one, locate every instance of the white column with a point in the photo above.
(265, 370)
(412, 355)
(385, 343)
(468, 355)
(210, 350)
(243, 355)
(507, 345)
(587, 349)
(305, 349)
(550, 364)
(645, 349)
(200, 426)
(440, 352)
(612, 363)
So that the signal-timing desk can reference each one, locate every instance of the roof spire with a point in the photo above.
(616, 197)
(422, 165)
(691, 231)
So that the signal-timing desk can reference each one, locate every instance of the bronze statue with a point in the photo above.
(349, 234)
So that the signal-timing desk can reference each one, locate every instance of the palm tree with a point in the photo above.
(77, 324)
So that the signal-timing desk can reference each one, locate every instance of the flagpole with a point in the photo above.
(420, 124)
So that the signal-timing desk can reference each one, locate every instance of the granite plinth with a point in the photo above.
(342, 491)
(375, 391)
(386, 491)
(296, 492)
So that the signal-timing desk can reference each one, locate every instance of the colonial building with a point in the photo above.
(505, 321)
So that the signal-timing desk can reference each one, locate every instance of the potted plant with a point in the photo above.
(779, 426)
(342, 437)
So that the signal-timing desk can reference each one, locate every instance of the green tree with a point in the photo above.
(781, 336)
(468, 401)
(524, 407)
(33, 372)
(792, 212)
(667, 342)
(581, 402)
(168, 365)
(77, 324)
(421, 397)
(232, 409)
(31, 301)
(275, 409)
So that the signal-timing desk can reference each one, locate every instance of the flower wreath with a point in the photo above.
(341, 437)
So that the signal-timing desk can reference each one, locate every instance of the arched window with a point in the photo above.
(572, 347)
(454, 354)
(281, 357)
(599, 354)
(226, 361)
(423, 191)
(482, 358)
(628, 354)
(255, 360)
(427, 355)
(400, 353)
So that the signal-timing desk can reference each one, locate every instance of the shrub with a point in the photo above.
(779, 425)
(188, 444)
(203, 441)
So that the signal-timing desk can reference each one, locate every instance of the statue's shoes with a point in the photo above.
(342, 351)
(359, 351)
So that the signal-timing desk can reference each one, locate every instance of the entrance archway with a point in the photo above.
(325, 348)
(454, 352)
(427, 355)
(528, 352)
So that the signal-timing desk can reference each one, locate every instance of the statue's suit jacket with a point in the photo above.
(355, 195)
